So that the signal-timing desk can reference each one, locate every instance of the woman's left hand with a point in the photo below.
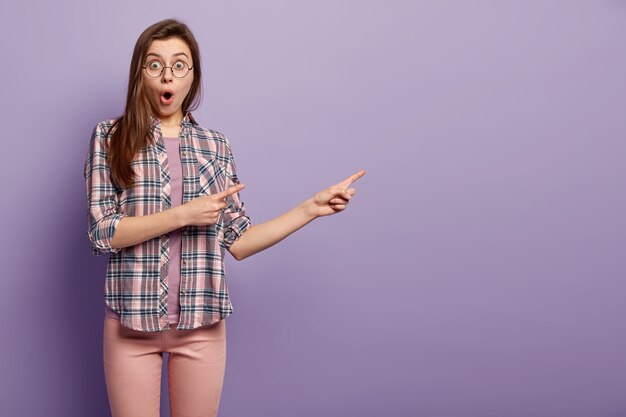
(261, 236)
(334, 198)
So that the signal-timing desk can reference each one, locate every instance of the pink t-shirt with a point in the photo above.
(173, 277)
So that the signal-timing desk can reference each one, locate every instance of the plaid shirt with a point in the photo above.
(136, 280)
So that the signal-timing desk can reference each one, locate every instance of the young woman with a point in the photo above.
(163, 199)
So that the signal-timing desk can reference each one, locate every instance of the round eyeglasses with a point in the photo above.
(155, 68)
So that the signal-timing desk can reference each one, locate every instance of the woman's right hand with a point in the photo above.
(205, 210)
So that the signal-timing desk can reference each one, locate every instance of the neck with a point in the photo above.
(172, 120)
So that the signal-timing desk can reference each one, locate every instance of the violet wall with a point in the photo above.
(479, 272)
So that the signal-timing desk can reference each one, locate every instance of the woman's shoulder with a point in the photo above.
(103, 128)
(207, 133)
(101, 135)
(107, 122)
(215, 137)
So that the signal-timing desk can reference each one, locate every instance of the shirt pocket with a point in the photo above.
(211, 177)
(212, 180)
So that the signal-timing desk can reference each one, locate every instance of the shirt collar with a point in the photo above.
(187, 121)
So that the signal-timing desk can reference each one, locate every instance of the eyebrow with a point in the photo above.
(176, 54)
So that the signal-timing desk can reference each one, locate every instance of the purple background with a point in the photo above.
(478, 272)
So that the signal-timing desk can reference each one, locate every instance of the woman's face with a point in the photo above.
(166, 92)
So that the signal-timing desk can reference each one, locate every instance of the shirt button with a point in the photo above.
(185, 261)
(183, 291)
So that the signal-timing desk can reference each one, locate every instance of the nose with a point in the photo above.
(167, 75)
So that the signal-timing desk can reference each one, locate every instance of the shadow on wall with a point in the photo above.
(81, 304)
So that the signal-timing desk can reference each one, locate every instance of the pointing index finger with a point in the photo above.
(229, 191)
(352, 178)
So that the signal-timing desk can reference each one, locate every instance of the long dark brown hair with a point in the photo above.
(131, 131)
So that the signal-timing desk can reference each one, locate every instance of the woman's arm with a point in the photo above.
(200, 211)
(329, 201)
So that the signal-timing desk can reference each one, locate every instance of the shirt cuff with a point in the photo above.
(235, 229)
(102, 234)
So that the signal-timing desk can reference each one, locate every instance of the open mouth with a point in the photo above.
(167, 97)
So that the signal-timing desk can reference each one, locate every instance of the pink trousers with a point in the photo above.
(132, 368)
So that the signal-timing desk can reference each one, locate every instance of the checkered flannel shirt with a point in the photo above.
(136, 279)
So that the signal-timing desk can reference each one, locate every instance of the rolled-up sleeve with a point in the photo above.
(103, 213)
(234, 217)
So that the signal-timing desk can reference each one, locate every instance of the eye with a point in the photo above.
(179, 65)
(154, 65)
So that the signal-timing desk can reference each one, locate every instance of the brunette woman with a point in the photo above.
(163, 201)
